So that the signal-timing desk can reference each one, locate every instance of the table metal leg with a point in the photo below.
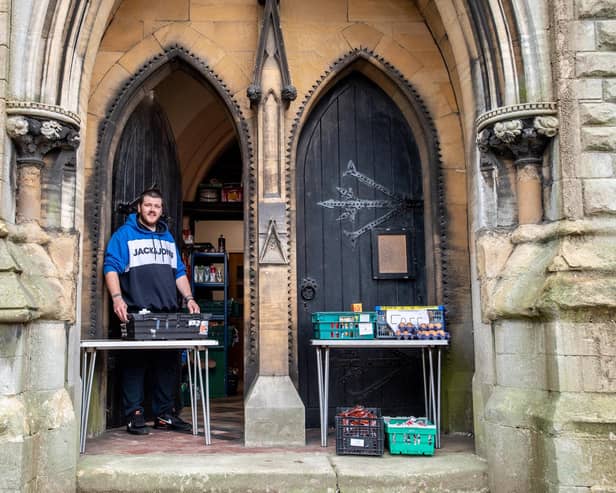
(430, 387)
(438, 399)
(433, 415)
(191, 389)
(425, 385)
(84, 373)
(88, 370)
(207, 399)
(204, 391)
(326, 389)
(321, 396)
(198, 389)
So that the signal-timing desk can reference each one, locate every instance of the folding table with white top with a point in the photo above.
(431, 378)
(89, 348)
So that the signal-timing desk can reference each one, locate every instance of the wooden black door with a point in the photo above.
(146, 155)
(358, 172)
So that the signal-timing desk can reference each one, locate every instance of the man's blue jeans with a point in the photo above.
(162, 366)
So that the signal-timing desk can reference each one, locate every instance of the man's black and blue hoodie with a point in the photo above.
(148, 264)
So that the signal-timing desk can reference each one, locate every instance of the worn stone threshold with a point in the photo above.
(454, 468)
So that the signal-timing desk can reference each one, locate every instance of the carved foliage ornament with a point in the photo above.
(521, 139)
(520, 131)
(35, 137)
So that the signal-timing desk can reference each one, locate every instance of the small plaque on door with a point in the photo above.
(391, 253)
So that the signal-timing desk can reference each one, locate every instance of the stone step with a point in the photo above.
(293, 471)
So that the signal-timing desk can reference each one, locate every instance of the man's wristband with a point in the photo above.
(188, 298)
(117, 295)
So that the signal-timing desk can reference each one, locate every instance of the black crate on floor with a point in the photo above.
(359, 436)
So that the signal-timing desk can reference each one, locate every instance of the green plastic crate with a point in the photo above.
(410, 440)
(343, 325)
(216, 374)
(214, 307)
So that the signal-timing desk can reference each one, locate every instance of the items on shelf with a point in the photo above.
(207, 274)
(215, 191)
(231, 192)
(210, 276)
(187, 235)
(210, 191)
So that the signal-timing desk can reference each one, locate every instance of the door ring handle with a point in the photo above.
(308, 289)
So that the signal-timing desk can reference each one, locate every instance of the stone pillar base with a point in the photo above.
(274, 414)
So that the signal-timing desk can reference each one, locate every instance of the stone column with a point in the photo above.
(520, 133)
(274, 412)
(37, 129)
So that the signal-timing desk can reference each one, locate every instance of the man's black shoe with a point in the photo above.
(171, 422)
(136, 424)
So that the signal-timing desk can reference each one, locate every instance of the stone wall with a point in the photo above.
(6, 204)
(38, 348)
(595, 69)
(38, 425)
(548, 292)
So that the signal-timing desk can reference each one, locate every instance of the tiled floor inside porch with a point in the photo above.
(227, 425)
(227, 416)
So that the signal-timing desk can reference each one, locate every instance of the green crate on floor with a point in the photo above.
(418, 439)
(216, 374)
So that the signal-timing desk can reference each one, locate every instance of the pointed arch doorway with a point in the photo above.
(359, 176)
(176, 127)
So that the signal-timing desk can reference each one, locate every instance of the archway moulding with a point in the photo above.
(393, 82)
(42, 110)
(108, 129)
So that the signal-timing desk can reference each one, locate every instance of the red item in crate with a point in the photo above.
(231, 194)
(357, 413)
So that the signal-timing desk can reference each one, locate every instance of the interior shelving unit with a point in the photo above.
(202, 291)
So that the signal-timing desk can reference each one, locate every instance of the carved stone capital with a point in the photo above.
(35, 136)
(519, 132)
(289, 93)
(254, 93)
(36, 129)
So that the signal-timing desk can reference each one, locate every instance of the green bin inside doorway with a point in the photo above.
(217, 376)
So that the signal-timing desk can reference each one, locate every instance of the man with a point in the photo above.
(143, 269)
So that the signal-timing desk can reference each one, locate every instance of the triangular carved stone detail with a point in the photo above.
(273, 248)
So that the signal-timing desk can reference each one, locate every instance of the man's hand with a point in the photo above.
(193, 306)
(120, 309)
